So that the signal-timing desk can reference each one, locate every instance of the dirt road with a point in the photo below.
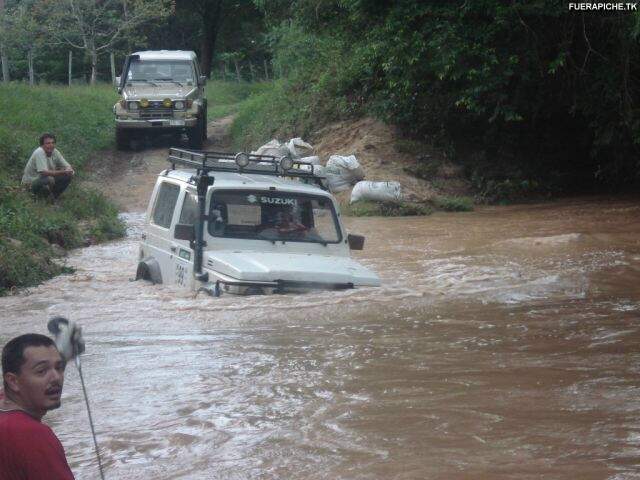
(127, 178)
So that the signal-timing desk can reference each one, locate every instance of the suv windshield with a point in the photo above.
(275, 216)
(161, 70)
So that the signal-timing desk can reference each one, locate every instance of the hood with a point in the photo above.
(159, 92)
(269, 267)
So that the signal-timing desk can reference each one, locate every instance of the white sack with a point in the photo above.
(376, 191)
(299, 148)
(273, 148)
(314, 160)
(342, 172)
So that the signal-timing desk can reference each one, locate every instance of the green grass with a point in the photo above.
(279, 109)
(454, 204)
(225, 98)
(82, 120)
(384, 209)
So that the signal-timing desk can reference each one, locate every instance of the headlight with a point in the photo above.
(286, 163)
(179, 105)
(242, 159)
(133, 105)
(144, 103)
(167, 103)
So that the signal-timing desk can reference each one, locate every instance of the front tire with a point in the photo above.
(122, 139)
(195, 134)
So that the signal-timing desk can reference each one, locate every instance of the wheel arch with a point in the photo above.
(149, 269)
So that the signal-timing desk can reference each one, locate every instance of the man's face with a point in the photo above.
(38, 385)
(48, 146)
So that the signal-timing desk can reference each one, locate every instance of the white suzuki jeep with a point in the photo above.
(246, 224)
(162, 91)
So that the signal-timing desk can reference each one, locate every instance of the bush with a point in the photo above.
(384, 209)
(454, 204)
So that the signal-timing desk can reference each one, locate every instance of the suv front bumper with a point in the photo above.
(160, 123)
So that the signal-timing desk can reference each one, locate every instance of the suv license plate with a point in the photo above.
(176, 123)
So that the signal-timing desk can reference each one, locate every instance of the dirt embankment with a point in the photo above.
(375, 145)
(127, 178)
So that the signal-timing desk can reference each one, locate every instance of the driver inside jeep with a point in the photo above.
(285, 226)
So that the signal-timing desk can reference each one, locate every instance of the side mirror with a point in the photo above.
(116, 82)
(356, 242)
(203, 80)
(184, 231)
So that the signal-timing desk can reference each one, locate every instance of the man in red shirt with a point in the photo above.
(33, 373)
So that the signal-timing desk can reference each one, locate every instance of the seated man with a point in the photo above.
(47, 173)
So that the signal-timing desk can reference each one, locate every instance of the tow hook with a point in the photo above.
(211, 290)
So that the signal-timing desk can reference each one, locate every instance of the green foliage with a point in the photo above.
(384, 209)
(225, 97)
(81, 119)
(21, 266)
(454, 204)
(545, 95)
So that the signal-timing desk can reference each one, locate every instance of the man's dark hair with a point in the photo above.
(13, 351)
(44, 136)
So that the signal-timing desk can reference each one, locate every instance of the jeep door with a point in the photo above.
(159, 240)
(187, 213)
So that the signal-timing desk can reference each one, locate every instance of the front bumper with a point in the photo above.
(217, 283)
(160, 123)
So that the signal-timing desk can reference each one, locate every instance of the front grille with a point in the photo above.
(152, 112)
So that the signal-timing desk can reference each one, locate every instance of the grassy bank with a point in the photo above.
(34, 232)
(226, 98)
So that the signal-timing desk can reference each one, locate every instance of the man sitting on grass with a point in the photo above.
(47, 173)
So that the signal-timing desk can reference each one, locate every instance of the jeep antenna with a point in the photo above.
(70, 344)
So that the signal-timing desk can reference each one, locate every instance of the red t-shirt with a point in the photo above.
(29, 450)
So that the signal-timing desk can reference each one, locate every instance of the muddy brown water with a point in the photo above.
(504, 343)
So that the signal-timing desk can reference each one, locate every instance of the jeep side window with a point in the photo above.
(189, 214)
(165, 204)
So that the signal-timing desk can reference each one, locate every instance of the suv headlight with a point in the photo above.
(179, 105)
(132, 105)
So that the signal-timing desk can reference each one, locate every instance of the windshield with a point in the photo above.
(275, 216)
(153, 71)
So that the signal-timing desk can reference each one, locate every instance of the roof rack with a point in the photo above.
(207, 161)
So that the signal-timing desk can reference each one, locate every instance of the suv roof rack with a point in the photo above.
(209, 161)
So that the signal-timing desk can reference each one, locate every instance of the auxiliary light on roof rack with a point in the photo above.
(205, 161)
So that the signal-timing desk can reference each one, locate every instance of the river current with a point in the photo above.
(503, 343)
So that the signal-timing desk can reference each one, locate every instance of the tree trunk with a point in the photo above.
(112, 58)
(30, 63)
(70, 65)
(94, 66)
(5, 64)
(224, 70)
(211, 19)
(3, 56)
(253, 74)
(238, 76)
(266, 70)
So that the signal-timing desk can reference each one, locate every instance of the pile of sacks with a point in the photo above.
(340, 172)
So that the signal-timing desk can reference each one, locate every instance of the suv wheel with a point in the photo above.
(195, 134)
(122, 139)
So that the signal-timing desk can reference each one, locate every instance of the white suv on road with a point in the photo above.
(246, 224)
(162, 91)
